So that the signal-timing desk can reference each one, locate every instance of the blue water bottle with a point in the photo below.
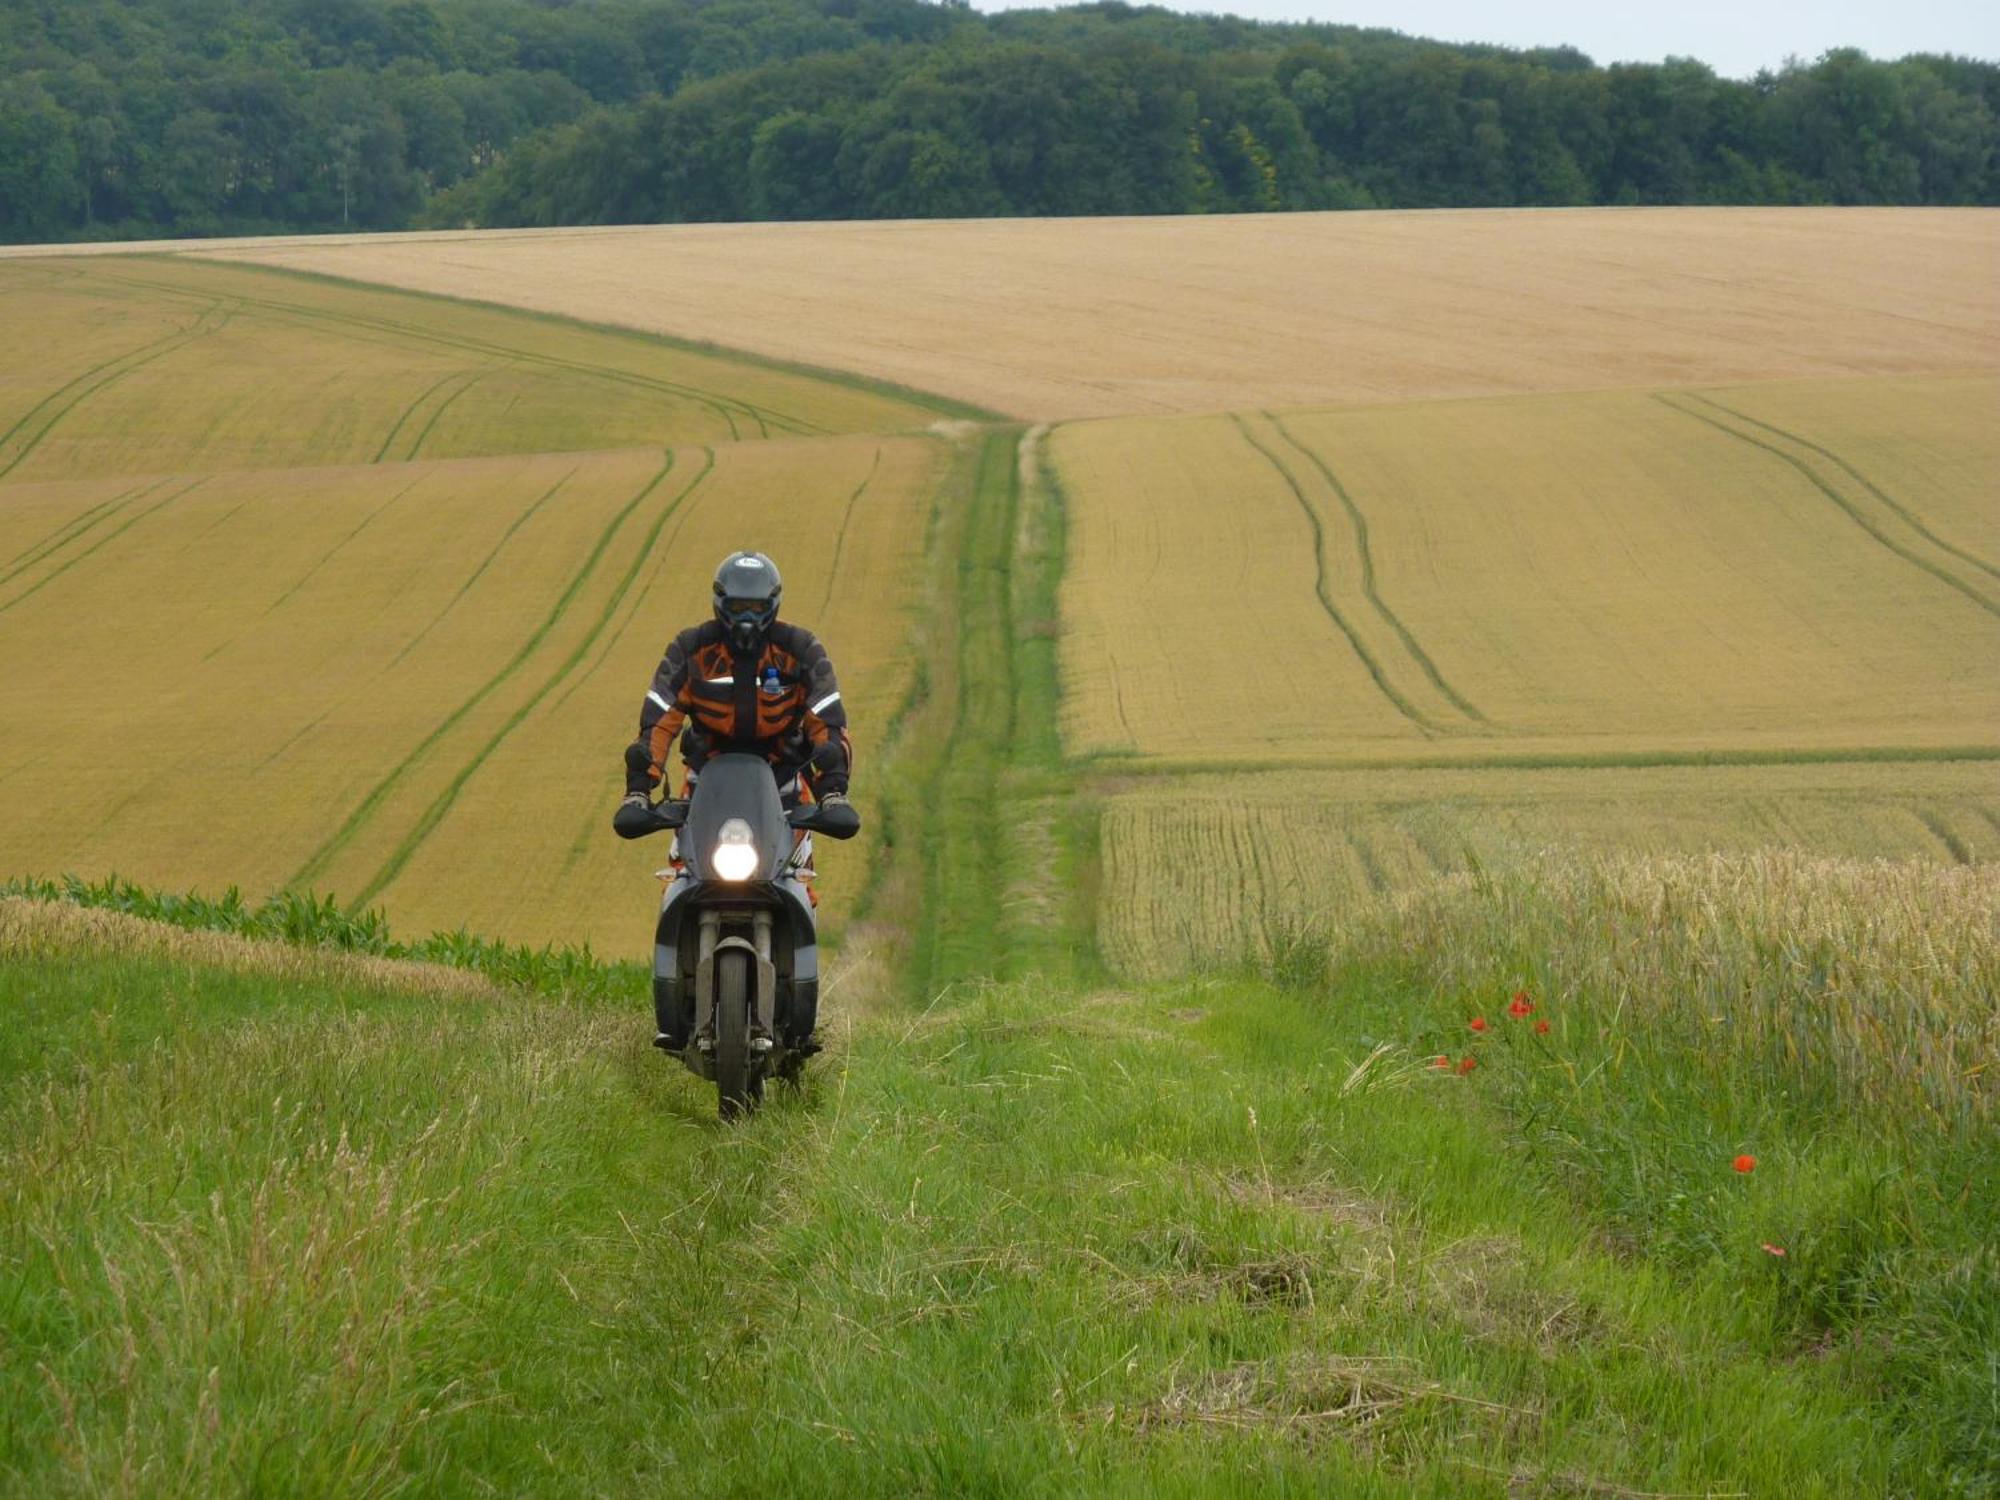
(771, 681)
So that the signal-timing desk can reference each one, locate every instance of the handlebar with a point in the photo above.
(632, 821)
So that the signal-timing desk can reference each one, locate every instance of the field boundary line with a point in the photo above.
(213, 320)
(428, 820)
(1359, 521)
(1143, 769)
(317, 862)
(1374, 668)
(109, 537)
(725, 407)
(889, 390)
(1853, 512)
(1909, 516)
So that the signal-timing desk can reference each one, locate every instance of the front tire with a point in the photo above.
(738, 1088)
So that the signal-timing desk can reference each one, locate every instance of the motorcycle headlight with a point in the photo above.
(735, 855)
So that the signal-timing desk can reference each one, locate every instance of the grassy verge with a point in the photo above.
(303, 1235)
(1769, 1076)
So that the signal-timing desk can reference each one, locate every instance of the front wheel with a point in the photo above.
(738, 1086)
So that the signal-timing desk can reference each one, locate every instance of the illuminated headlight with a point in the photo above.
(735, 856)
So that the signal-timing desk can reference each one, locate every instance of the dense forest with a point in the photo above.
(121, 118)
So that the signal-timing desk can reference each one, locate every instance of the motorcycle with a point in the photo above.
(735, 950)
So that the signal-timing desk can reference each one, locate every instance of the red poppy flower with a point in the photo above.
(1745, 1163)
(1520, 1005)
(1467, 1064)
(1777, 1250)
(1440, 1061)
(1542, 1027)
(1479, 1023)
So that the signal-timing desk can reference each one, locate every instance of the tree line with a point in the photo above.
(122, 117)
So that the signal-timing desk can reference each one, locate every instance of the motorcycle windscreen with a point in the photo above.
(736, 786)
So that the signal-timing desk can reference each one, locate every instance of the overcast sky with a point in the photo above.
(1735, 37)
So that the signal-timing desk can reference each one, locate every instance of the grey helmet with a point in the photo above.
(747, 587)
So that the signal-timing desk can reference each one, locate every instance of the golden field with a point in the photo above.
(407, 681)
(1202, 869)
(1607, 572)
(1353, 507)
(1051, 319)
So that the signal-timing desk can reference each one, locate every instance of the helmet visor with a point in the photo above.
(746, 609)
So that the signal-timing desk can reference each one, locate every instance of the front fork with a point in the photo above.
(764, 992)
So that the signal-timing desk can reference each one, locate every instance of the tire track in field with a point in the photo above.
(402, 335)
(428, 820)
(840, 536)
(110, 536)
(410, 411)
(444, 406)
(1908, 515)
(479, 572)
(681, 518)
(100, 377)
(316, 863)
(1854, 512)
(340, 546)
(1359, 522)
(1396, 700)
(310, 573)
(64, 534)
(580, 845)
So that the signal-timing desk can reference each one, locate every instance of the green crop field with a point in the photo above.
(1444, 946)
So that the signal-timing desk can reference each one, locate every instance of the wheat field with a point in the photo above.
(1052, 319)
(1199, 870)
(255, 633)
(1602, 572)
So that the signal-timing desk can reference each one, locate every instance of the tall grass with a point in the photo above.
(1767, 1067)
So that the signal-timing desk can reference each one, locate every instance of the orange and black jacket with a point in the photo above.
(782, 702)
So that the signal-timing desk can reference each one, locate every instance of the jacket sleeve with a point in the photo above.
(660, 717)
(825, 717)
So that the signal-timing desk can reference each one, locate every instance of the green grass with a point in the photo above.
(1028, 1241)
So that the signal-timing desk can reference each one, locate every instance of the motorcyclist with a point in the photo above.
(745, 682)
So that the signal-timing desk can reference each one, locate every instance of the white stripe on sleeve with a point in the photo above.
(820, 707)
(665, 707)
